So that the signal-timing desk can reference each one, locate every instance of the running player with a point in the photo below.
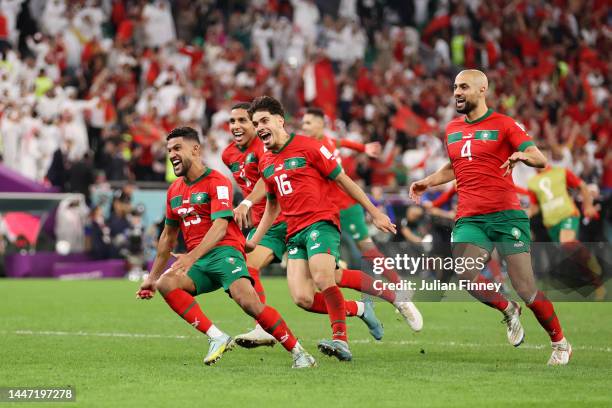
(298, 171)
(242, 156)
(483, 147)
(200, 204)
(352, 218)
(548, 193)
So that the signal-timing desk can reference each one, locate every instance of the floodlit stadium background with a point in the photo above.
(90, 88)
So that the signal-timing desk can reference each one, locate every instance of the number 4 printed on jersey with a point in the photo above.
(466, 150)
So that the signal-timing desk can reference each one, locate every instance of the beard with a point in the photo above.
(183, 168)
(467, 107)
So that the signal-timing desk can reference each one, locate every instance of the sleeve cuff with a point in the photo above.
(171, 222)
(221, 214)
(335, 172)
(270, 196)
(525, 145)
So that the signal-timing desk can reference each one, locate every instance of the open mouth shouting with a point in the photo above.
(177, 165)
(238, 135)
(460, 102)
(265, 136)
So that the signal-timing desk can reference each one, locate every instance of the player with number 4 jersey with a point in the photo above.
(483, 147)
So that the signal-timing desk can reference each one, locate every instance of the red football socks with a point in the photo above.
(544, 311)
(390, 274)
(319, 305)
(186, 306)
(272, 322)
(359, 280)
(254, 272)
(489, 297)
(336, 311)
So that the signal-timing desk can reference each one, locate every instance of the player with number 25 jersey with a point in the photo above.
(195, 205)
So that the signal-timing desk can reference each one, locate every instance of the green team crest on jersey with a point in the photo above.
(550, 187)
(199, 198)
(293, 163)
(251, 158)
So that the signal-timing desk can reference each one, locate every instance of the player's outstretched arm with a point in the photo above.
(588, 209)
(216, 232)
(531, 156)
(267, 219)
(167, 242)
(242, 211)
(372, 149)
(380, 219)
(442, 176)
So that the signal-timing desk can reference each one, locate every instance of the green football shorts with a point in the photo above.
(274, 239)
(353, 223)
(219, 268)
(508, 231)
(322, 237)
(569, 223)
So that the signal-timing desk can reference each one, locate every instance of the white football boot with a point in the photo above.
(561, 353)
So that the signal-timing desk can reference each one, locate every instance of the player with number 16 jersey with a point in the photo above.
(300, 165)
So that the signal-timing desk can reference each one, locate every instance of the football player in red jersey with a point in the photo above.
(199, 203)
(242, 157)
(352, 218)
(483, 147)
(298, 172)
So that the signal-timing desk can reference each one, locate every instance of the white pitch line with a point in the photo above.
(356, 341)
(86, 334)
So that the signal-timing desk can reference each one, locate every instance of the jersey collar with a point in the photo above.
(480, 119)
(285, 145)
(191, 183)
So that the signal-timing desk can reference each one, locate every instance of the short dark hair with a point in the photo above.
(185, 132)
(267, 104)
(242, 105)
(315, 111)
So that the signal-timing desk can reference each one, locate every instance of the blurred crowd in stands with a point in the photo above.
(89, 88)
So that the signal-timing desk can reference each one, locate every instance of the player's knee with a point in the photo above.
(324, 280)
(303, 300)
(525, 291)
(167, 283)
(248, 301)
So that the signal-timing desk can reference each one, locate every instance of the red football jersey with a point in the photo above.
(299, 176)
(476, 150)
(194, 206)
(244, 165)
(339, 196)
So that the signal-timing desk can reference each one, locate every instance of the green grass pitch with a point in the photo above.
(119, 351)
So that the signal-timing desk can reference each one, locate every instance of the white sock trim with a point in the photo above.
(213, 331)
(360, 308)
(297, 348)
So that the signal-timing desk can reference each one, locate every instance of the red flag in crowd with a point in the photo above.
(409, 122)
(320, 86)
